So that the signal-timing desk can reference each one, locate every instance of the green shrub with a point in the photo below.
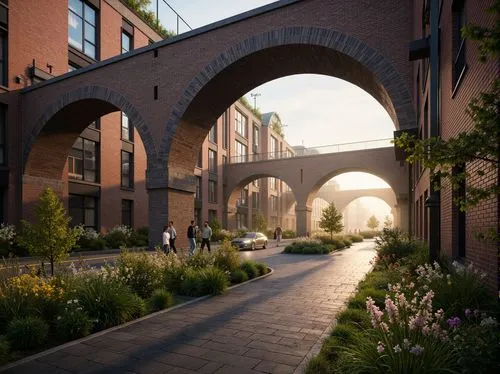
(141, 271)
(190, 283)
(200, 260)
(226, 257)
(318, 365)
(289, 234)
(347, 242)
(161, 299)
(344, 333)
(173, 276)
(73, 323)
(138, 308)
(4, 350)
(118, 237)
(212, 281)
(355, 238)
(330, 348)
(250, 267)
(27, 332)
(393, 244)
(355, 317)
(262, 268)
(106, 300)
(239, 276)
(380, 279)
(368, 234)
(359, 301)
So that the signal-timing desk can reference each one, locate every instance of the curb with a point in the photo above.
(111, 329)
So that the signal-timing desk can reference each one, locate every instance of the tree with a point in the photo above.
(259, 222)
(372, 223)
(388, 222)
(447, 160)
(215, 226)
(331, 220)
(50, 237)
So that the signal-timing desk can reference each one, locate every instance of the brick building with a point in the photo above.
(460, 76)
(241, 135)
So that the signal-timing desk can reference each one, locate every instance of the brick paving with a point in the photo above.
(267, 326)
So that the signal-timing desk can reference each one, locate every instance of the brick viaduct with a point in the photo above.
(307, 174)
(174, 90)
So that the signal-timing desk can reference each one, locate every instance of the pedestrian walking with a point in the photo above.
(173, 236)
(206, 234)
(166, 240)
(277, 235)
(191, 235)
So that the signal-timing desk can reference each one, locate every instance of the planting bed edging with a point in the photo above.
(114, 328)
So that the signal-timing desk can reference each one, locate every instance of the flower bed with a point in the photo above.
(413, 317)
(38, 312)
(317, 246)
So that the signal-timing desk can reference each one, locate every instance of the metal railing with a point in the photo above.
(178, 18)
(313, 151)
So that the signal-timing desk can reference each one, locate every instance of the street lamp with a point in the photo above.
(255, 95)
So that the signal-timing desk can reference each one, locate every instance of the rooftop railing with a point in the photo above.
(313, 151)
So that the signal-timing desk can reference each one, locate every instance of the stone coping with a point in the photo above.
(114, 328)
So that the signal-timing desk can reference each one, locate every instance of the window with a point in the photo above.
(127, 42)
(127, 128)
(212, 191)
(274, 203)
(459, 217)
(83, 161)
(127, 212)
(82, 27)
(95, 124)
(425, 22)
(212, 215)
(127, 172)
(225, 130)
(240, 152)
(272, 183)
(256, 139)
(241, 124)
(255, 200)
(199, 162)
(273, 147)
(426, 120)
(83, 211)
(4, 23)
(241, 221)
(197, 194)
(212, 135)
(212, 161)
(458, 41)
(3, 150)
(243, 199)
(224, 160)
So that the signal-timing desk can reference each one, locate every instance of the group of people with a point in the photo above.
(170, 234)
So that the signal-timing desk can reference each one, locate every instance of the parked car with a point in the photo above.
(251, 240)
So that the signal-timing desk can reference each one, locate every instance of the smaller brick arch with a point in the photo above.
(80, 106)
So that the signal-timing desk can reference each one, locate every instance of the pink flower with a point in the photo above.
(380, 347)
(391, 308)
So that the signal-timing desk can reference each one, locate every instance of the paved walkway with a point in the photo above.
(263, 327)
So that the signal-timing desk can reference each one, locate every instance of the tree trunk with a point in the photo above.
(52, 265)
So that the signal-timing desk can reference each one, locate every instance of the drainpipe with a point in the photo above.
(433, 201)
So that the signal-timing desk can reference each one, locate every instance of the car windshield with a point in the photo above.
(250, 235)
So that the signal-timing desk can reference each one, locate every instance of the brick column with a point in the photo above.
(157, 187)
(403, 213)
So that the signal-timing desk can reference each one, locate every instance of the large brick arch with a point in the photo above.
(65, 119)
(278, 53)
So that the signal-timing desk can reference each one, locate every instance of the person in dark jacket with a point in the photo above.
(191, 234)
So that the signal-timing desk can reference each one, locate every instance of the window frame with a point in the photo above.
(83, 210)
(130, 174)
(212, 134)
(212, 191)
(212, 161)
(129, 128)
(241, 123)
(127, 203)
(84, 20)
(130, 39)
(72, 175)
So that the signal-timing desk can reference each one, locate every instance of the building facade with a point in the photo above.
(460, 77)
(241, 135)
(104, 179)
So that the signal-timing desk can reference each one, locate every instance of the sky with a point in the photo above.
(315, 110)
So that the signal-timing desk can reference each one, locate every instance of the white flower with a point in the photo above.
(397, 348)
(488, 321)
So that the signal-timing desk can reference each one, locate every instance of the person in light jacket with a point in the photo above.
(206, 234)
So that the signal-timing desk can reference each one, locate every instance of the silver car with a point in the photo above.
(251, 240)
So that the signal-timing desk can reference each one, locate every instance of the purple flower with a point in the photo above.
(467, 312)
(454, 322)
(416, 350)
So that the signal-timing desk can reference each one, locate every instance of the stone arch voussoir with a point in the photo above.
(379, 65)
(97, 93)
